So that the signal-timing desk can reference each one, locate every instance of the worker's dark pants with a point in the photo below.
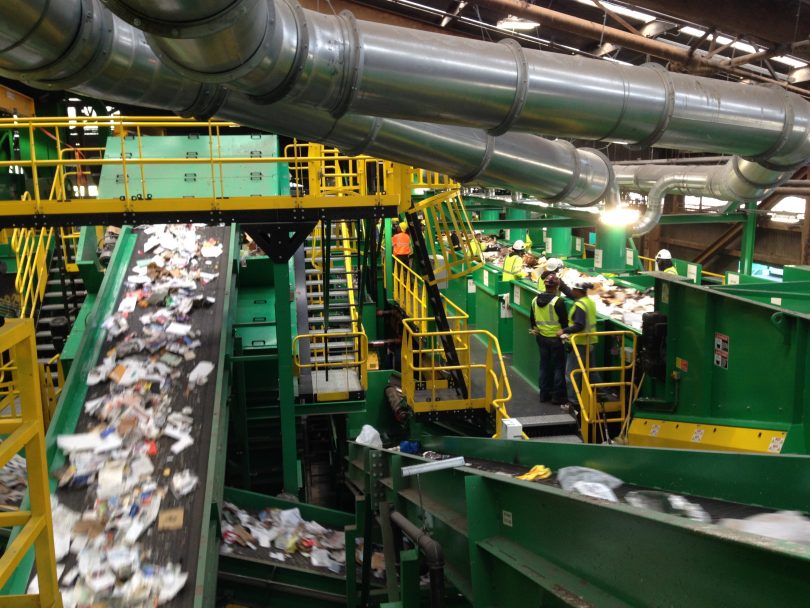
(552, 368)
(405, 259)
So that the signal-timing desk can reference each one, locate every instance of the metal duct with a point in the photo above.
(65, 44)
(735, 181)
(111, 60)
(342, 64)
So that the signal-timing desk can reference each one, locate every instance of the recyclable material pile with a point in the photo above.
(282, 535)
(126, 492)
(624, 304)
(13, 483)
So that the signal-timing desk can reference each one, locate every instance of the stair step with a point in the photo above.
(332, 292)
(314, 283)
(333, 344)
(332, 319)
(333, 359)
(548, 420)
(332, 272)
(335, 305)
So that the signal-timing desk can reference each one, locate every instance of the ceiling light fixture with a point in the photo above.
(513, 24)
(619, 216)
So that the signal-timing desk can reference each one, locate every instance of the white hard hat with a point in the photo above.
(582, 284)
(554, 264)
(664, 254)
(477, 232)
(519, 245)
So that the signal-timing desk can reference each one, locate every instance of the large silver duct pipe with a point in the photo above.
(72, 44)
(109, 59)
(736, 181)
(342, 64)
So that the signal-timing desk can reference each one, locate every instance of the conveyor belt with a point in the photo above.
(181, 546)
(717, 509)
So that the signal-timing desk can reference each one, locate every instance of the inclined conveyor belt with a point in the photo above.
(181, 546)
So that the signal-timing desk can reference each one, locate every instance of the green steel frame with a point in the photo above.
(514, 543)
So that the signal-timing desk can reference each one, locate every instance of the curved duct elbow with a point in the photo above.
(683, 183)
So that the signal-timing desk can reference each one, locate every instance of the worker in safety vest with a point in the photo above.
(548, 317)
(583, 320)
(475, 244)
(513, 264)
(553, 266)
(401, 243)
(663, 262)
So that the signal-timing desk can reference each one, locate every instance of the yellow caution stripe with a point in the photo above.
(651, 432)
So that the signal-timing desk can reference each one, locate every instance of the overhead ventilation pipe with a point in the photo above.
(107, 58)
(730, 182)
(274, 49)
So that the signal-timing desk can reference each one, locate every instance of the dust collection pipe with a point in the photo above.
(374, 68)
(431, 550)
(341, 64)
(110, 59)
(720, 181)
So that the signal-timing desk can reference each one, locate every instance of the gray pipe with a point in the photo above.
(111, 60)
(342, 64)
(736, 181)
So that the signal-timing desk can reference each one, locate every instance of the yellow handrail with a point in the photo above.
(587, 391)
(31, 248)
(23, 424)
(426, 370)
(51, 390)
(360, 352)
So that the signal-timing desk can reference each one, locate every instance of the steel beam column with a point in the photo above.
(289, 451)
(748, 239)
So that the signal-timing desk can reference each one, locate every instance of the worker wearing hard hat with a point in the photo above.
(548, 317)
(583, 320)
(401, 244)
(663, 262)
(513, 264)
(553, 266)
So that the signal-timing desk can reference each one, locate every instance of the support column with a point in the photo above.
(520, 233)
(389, 257)
(611, 241)
(286, 394)
(747, 243)
(558, 242)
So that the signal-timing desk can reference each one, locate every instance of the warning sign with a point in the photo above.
(721, 342)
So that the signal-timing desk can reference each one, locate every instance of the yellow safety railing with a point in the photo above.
(714, 275)
(31, 248)
(427, 376)
(445, 216)
(325, 172)
(409, 290)
(371, 182)
(597, 412)
(69, 241)
(648, 264)
(51, 388)
(355, 355)
(432, 180)
(24, 428)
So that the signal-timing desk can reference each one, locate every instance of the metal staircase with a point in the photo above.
(331, 345)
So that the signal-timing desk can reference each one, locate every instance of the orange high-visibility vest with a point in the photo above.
(402, 243)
